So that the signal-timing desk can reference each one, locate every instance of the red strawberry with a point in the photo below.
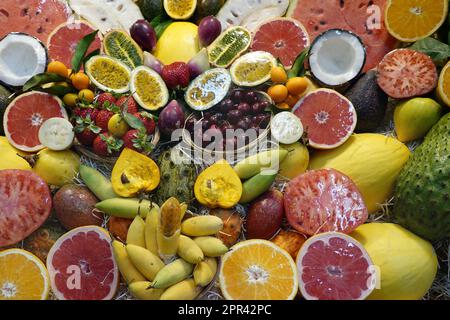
(85, 111)
(102, 98)
(102, 119)
(128, 139)
(107, 145)
(132, 105)
(176, 74)
(86, 131)
(147, 120)
(138, 141)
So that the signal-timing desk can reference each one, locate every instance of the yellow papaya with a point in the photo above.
(9, 157)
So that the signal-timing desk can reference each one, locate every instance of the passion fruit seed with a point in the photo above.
(109, 74)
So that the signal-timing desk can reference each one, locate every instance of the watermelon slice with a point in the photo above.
(63, 41)
(365, 18)
(35, 17)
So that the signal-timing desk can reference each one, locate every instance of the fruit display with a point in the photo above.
(211, 149)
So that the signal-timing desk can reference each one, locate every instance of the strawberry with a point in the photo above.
(138, 140)
(176, 74)
(107, 145)
(147, 120)
(102, 98)
(85, 130)
(85, 111)
(130, 102)
(102, 119)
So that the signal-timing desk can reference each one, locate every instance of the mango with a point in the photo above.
(255, 186)
(253, 165)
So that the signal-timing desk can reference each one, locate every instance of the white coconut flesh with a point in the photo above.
(336, 57)
(21, 57)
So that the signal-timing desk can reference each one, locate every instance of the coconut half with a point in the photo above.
(336, 57)
(21, 57)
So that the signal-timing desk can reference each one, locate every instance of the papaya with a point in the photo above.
(373, 161)
(10, 158)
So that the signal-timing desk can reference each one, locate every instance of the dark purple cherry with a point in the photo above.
(234, 116)
(244, 108)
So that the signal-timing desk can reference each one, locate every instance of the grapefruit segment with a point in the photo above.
(328, 118)
(334, 266)
(85, 253)
(284, 38)
(324, 200)
(25, 115)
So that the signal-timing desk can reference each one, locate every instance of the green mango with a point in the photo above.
(256, 186)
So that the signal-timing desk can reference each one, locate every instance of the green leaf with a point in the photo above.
(438, 51)
(133, 121)
(81, 50)
(160, 23)
(58, 90)
(90, 55)
(40, 79)
(298, 69)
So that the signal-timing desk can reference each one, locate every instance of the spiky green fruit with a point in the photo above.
(422, 195)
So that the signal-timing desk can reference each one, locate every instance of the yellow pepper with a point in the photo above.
(134, 173)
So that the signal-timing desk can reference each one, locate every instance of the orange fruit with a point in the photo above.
(80, 81)
(443, 89)
(70, 100)
(283, 106)
(278, 93)
(278, 75)
(22, 276)
(291, 100)
(412, 20)
(86, 95)
(58, 68)
(258, 270)
(297, 85)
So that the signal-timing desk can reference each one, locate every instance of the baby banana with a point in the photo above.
(184, 290)
(211, 246)
(168, 231)
(189, 250)
(172, 273)
(146, 262)
(201, 226)
(126, 267)
(205, 271)
(141, 290)
(151, 226)
(126, 208)
(97, 183)
(136, 232)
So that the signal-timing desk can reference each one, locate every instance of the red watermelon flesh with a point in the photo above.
(25, 204)
(34, 17)
(352, 15)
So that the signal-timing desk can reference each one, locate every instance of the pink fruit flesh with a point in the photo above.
(284, 38)
(406, 73)
(25, 203)
(328, 118)
(333, 266)
(90, 252)
(25, 115)
(324, 200)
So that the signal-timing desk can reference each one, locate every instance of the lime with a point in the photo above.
(228, 46)
(252, 69)
(118, 44)
(108, 74)
(149, 89)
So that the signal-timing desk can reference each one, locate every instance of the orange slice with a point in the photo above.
(258, 270)
(443, 89)
(412, 20)
(22, 276)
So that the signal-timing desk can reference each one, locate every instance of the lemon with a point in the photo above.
(443, 89)
(296, 161)
(406, 264)
(179, 42)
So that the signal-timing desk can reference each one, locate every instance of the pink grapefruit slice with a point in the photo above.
(63, 41)
(25, 115)
(324, 200)
(82, 267)
(334, 266)
(328, 117)
(284, 38)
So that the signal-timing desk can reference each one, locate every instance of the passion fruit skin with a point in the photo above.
(343, 86)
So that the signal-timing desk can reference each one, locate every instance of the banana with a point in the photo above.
(136, 232)
(97, 183)
(205, 271)
(253, 165)
(201, 226)
(189, 250)
(141, 290)
(151, 225)
(172, 273)
(126, 267)
(211, 246)
(146, 262)
(57, 134)
(168, 231)
(126, 208)
(184, 290)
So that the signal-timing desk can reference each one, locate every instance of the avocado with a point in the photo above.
(5, 99)
(370, 102)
